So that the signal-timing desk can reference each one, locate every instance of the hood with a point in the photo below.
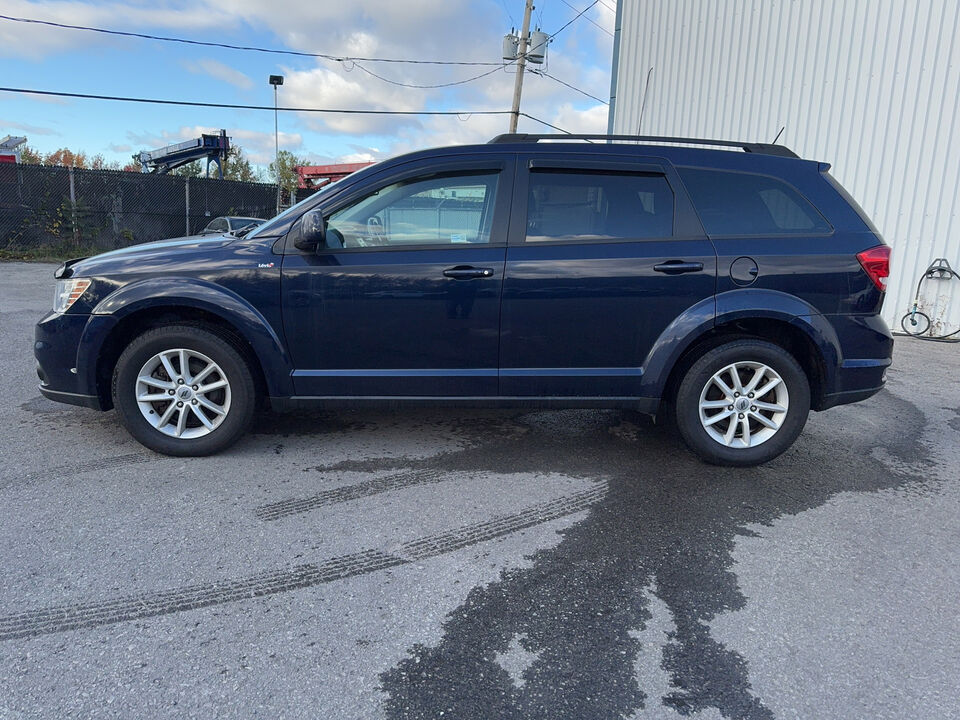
(150, 251)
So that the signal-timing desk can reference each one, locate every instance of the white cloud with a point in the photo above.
(36, 41)
(358, 157)
(219, 71)
(45, 99)
(25, 127)
(591, 120)
(416, 29)
(337, 89)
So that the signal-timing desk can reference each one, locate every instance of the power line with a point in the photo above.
(155, 101)
(231, 106)
(613, 10)
(571, 20)
(588, 19)
(343, 59)
(509, 14)
(544, 122)
(248, 48)
(572, 87)
(428, 87)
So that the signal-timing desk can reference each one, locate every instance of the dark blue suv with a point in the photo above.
(731, 290)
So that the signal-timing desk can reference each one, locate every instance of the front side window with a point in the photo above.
(218, 225)
(585, 205)
(731, 203)
(436, 210)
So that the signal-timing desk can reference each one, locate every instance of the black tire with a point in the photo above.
(242, 390)
(915, 323)
(696, 379)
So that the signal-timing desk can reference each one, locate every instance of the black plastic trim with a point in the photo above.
(87, 401)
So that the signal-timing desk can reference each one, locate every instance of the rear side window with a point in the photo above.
(584, 205)
(731, 203)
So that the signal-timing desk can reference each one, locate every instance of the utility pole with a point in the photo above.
(521, 65)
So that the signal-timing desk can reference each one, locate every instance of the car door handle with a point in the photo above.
(675, 267)
(465, 272)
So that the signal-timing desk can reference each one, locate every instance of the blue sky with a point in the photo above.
(40, 57)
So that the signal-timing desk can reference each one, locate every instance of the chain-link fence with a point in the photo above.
(63, 211)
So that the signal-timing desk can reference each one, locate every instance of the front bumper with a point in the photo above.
(57, 341)
(87, 401)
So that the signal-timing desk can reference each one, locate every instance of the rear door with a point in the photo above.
(610, 253)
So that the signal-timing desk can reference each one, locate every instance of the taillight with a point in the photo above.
(876, 264)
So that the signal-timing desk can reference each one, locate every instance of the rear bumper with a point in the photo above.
(867, 346)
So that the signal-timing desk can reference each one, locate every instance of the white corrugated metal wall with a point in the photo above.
(870, 86)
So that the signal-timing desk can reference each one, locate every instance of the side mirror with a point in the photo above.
(311, 231)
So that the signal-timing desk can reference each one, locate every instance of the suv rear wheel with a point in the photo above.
(183, 390)
(742, 403)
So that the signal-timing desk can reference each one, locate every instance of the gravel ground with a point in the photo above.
(473, 564)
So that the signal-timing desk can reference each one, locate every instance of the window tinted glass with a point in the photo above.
(218, 225)
(731, 203)
(438, 210)
(569, 205)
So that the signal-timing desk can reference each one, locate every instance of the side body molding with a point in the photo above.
(157, 293)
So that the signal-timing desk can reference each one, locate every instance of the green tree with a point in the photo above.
(287, 162)
(235, 167)
(191, 169)
(29, 156)
(238, 167)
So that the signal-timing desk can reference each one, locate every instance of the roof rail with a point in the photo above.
(750, 147)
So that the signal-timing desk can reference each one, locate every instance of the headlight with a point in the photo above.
(68, 292)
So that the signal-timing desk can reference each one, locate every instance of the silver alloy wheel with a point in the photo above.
(183, 393)
(744, 404)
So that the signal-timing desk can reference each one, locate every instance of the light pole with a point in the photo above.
(276, 81)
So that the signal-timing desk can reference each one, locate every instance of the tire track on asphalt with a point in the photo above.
(397, 481)
(61, 471)
(61, 618)
(440, 543)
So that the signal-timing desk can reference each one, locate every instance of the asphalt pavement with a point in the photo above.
(477, 564)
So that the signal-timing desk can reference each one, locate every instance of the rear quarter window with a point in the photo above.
(733, 203)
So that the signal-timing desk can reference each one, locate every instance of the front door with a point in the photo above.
(404, 298)
(609, 256)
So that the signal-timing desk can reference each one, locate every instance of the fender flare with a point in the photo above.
(698, 320)
(157, 293)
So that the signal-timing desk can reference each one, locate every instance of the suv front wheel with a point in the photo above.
(742, 403)
(183, 390)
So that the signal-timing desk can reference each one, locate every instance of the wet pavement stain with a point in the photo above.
(955, 421)
(667, 522)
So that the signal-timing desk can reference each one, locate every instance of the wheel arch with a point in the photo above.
(758, 314)
(133, 310)
(780, 332)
